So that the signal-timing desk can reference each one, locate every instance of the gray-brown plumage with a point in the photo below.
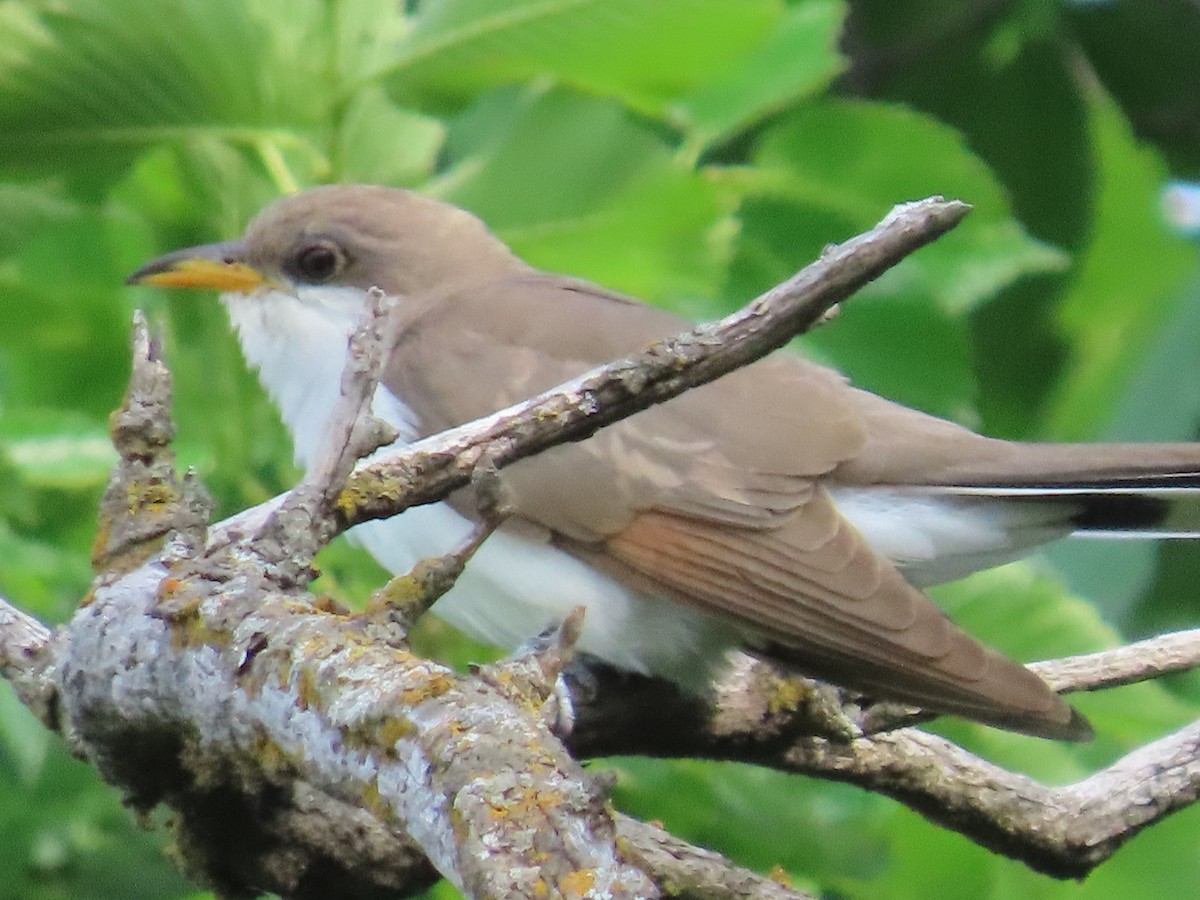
(779, 501)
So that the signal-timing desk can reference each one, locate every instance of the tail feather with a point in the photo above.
(1158, 506)
(941, 532)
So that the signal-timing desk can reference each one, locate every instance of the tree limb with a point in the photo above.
(759, 714)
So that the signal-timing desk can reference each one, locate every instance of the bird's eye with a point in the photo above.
(319, 262)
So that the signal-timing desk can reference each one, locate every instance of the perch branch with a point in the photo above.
(762, 715)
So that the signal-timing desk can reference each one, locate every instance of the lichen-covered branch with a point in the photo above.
(204, 670)
(696, 873)
(762, 715)
(1062, 831)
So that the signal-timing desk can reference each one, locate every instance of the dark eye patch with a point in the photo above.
(318, 262)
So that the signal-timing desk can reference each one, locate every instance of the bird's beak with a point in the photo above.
(216, 266)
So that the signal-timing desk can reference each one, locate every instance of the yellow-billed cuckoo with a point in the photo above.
(778, 507)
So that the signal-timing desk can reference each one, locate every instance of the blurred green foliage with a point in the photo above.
(693, 152)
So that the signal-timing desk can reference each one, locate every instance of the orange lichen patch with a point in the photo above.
(270, 757)
(373, 800)
(779, 875)
(188, 627)
(541, 888)
(346, 502)
(154, 495)
(577, 883)
(360, 491)
(501, 677)
(307, 693)
(400, 592)
(327, 604)
(499, 811)
(546, 800)
(528, 803)
(168, 588)
(100, 541)
(392, 730)
(433, 687)
(197, 632)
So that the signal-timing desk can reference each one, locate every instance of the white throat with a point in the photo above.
(297, 342)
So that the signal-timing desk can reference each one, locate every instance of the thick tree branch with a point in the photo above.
(762, 715)
(1065, 832)
(696, 873)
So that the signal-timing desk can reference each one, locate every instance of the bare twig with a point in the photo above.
(1139, 661)
(1065, 832)
(303, 521)
(696, 873)
(23, 662)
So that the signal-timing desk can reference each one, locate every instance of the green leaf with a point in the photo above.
(48, 579)
(63, 331)
(832, 168)
(577, 185)
(644, 53)
(90, 84)
(72, 838)
(856, 160)
(381, 143)
(27, 210)
(724, 805)
(893, 343)
(1017, 102)
(56, 448)
(1129, 280)
(1029, 616)
(24, 741)
(1145, 55)
(798, 58)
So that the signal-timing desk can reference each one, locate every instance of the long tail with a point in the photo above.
(1139, 506)
(973, 516)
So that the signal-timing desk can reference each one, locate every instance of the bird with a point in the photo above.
(778, 509)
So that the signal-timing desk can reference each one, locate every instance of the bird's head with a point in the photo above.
(345, 236)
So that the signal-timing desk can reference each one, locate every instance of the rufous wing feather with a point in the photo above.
(816, 595)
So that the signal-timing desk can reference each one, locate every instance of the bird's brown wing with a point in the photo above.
(736, 525)
(818, 597)
(743, 449)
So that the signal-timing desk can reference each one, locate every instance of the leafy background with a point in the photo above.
(692, 152)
